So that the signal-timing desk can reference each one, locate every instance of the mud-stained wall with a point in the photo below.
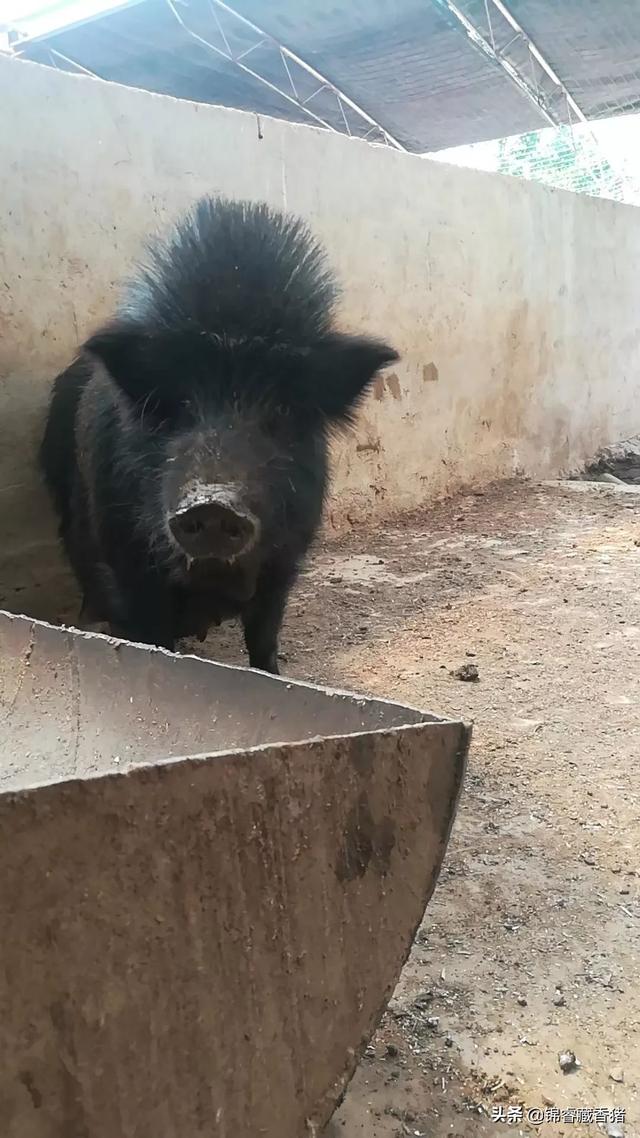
(516, 308)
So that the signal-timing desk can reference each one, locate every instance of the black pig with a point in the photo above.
(186, 446)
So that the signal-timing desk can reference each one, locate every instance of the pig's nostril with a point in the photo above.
(193, 526)
(230, 528)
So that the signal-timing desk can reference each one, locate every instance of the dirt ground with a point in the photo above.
(530, 946)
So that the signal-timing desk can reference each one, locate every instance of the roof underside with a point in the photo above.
(414, 66)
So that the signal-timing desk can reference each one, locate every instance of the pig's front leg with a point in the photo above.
(139, 632)
(262, 621)
(145, 616)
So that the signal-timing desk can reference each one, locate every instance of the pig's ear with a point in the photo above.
(123, 350)
(344, 368)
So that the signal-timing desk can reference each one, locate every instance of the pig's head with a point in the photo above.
(234, 430)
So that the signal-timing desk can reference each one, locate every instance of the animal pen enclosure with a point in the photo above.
(514, 309)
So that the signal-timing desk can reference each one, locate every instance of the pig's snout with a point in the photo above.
(214, 529)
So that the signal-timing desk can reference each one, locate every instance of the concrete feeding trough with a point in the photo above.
(211, 879)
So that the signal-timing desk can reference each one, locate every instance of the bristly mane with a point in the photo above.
(238, 304)
(235, 269)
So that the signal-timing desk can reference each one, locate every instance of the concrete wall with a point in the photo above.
(516, 308)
